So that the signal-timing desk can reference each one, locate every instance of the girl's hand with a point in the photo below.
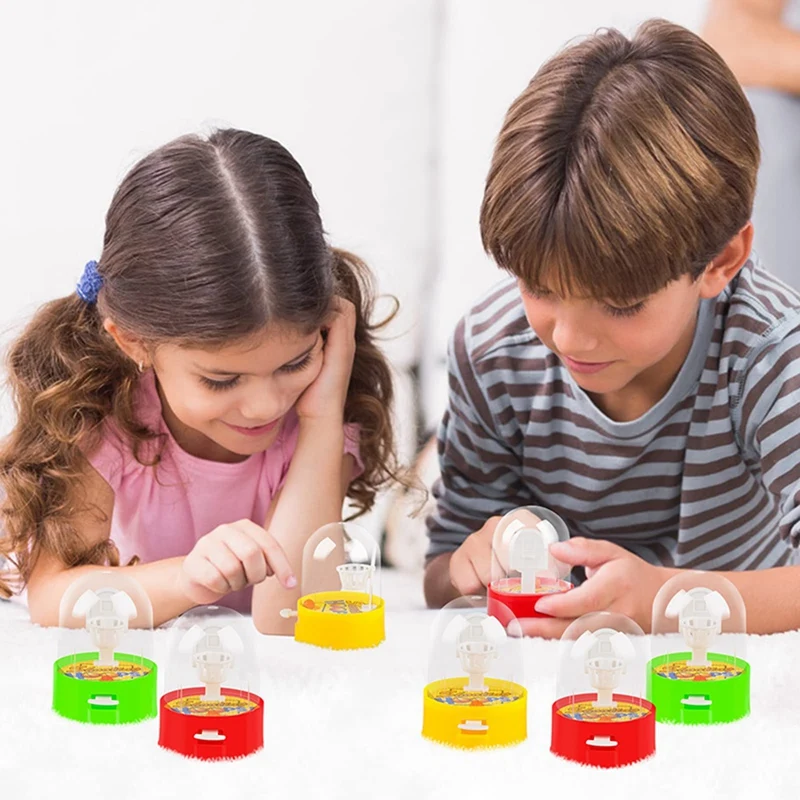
(616, 580)
(231, 557)
(325, 397)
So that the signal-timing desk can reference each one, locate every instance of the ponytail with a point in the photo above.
(66, 376)
(370, 394)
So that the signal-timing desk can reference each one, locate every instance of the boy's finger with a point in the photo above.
(583, 552)
(596, 594)
(463, 575)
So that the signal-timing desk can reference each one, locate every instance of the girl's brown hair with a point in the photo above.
(207, 241)
(624, 165)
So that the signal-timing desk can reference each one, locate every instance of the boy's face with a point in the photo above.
(607, 348)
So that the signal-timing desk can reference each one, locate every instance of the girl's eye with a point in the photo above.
(219, 386)
(626, 311)
(539, 294)
(297, 365)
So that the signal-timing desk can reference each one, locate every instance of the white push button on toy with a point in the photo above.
(210, 736)
(696, 701)
(601, 741)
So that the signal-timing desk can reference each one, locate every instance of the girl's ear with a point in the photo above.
(131, 346)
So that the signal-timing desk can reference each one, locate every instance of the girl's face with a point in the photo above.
(607, 348)
(229, 403)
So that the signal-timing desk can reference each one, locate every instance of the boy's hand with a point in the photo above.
(616, 580)
(470, 565)
(231, 557)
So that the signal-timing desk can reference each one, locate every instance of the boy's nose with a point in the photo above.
(572, 338)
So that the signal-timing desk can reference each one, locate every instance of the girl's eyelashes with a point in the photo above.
(218, 386)
(626, 311)
(297, 365)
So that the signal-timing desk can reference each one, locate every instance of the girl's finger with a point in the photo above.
(229, 566)
(250, 556)
(273, 552)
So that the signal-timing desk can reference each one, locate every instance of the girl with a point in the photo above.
(206, 398)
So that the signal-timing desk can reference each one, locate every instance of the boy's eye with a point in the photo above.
(297, 365)
(538, 294)
(218, 386)
(625, 311)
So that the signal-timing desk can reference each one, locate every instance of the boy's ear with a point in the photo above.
(132, 347)
(726, 265)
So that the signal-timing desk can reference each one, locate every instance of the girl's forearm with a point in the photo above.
(311, 497)
(158, 578)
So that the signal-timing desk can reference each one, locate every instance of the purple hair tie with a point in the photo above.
(90, 283)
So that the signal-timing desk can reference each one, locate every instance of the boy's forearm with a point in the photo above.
(158, 578)
(311, 497)
(771, 598)
(439, 589)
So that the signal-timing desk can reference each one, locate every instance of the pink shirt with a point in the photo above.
(161, 512)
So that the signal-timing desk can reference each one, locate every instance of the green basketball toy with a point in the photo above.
(700, 676)
(104, 673)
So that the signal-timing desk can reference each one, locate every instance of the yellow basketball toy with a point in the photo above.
(341, 607)
(487, 706)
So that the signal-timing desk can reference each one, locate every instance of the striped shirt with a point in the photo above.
(709, 478)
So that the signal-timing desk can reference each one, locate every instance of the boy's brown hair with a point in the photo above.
(625, 164)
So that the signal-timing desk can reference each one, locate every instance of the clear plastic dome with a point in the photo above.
(699, 613)
(602, 665)
(344, 559)
(699, 671)
(211, 650)
(210, 708)
(474, 696)
(464, 636)
(521, 558)
(105, 670)
(106, 627)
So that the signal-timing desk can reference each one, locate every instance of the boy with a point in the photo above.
(638, 373)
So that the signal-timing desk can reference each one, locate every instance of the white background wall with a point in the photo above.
(89, 86)
(392, 107)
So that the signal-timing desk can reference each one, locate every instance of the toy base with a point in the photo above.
(339, 631)
(699, 701)
(603, 743)
(520, 606)
(107, 701)
(465, 725)
(211, 737)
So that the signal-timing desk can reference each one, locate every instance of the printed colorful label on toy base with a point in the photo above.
(699, 695)
(506, 602)
(105, 695)
(340, 620)
(612, 736)
(455, 716)
(230, 727)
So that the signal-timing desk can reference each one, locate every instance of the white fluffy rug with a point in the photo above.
(347, 725)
